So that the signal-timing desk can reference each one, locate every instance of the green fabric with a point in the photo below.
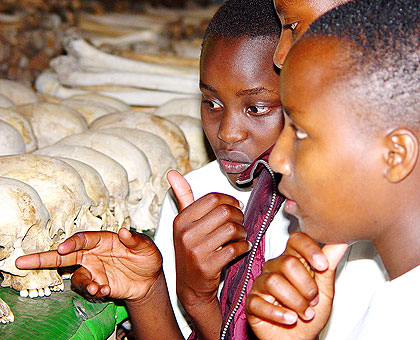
(122, 314)
(63, 315)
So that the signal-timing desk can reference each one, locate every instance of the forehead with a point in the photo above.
(296, 7)
(313, 68)
(241, 52)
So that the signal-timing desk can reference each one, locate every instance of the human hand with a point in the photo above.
(208, 234)
(292, 298)
(121, 266)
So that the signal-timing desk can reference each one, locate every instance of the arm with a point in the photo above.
(208, 234)
(292, 297)
(126, 266)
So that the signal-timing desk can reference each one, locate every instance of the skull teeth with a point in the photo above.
(41, 292)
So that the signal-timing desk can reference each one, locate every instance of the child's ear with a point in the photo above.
(402, 154)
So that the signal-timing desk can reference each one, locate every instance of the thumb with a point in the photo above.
(181, 189)
(334, 253)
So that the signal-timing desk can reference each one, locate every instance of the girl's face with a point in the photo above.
(295, 17)
(241, 108)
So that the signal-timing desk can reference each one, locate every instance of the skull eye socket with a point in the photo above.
(4, 254)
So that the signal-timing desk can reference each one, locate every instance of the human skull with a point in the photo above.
(188, 106)
(24, 230)
(61, 190)
(160, 126)
(51, 121)
(157, 152)
(113, 174)
(194, 133)
(21, 124)
(134, 161)
(116, 104)
(5, 102)
(97, 192)
(11, 141)
(90, 110)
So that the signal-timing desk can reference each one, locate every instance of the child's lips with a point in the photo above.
(290, 207)
(231, 167)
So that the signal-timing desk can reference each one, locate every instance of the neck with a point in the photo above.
(399, 248)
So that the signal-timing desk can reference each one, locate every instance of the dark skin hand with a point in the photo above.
(208, 234)
(126, 266)
(292, 298)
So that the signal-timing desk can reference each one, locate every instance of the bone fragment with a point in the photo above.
(6, 314)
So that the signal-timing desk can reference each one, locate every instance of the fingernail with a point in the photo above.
(290, 318)
(315, 301)
(320, 262)
(309, 313)
(241, 205)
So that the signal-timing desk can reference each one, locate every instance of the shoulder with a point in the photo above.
(400, 295)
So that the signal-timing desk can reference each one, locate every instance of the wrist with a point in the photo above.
(148, 290)
(190, 299)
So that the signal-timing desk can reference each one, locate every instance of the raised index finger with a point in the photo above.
(49, 259)
(67, 254)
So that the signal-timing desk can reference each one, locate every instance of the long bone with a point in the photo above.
(70, 73)
(47, 83)
(90, 57)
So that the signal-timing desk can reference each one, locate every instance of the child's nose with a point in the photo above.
(283, 47)
(280, 155)
(230, 129)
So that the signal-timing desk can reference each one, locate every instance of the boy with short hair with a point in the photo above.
(350, 90)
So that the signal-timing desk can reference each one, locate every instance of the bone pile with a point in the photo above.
(142, 59)
(86, 162)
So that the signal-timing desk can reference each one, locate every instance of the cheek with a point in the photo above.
(210, 128)
(327, 198)
(265, 134)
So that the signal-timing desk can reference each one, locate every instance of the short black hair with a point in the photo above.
(383, 68)
(250, 18)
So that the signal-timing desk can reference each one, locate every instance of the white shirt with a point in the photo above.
(364, 274)
(393, 311)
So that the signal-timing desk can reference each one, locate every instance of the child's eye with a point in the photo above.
(298, 133)
(291, 26)
(257, 110)
(212, 105)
